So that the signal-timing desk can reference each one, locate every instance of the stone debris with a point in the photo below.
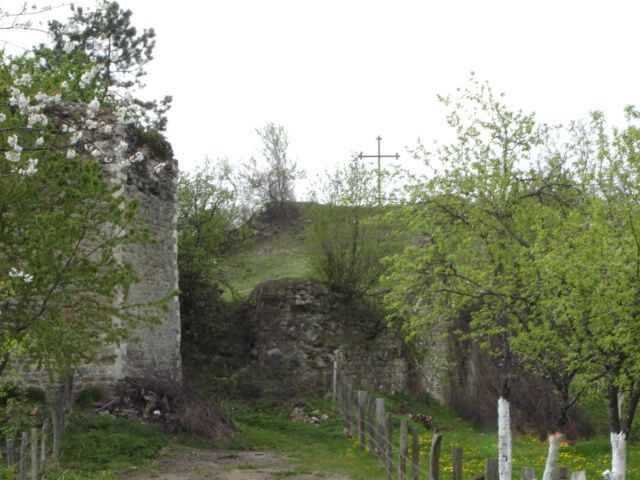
(425, 420)
(314, 418)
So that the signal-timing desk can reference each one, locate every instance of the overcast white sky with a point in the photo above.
(336, 73)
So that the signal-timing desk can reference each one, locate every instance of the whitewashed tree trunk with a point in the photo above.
(618, 456)
(552, 456)
(504, 439)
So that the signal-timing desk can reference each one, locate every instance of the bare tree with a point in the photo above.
(272, 180)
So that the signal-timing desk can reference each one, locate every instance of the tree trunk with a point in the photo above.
(618, 456)
(552, 456)
(504, 439)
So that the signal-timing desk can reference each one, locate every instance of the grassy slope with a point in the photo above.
(280, 254)
(276, 253)
(326, 448)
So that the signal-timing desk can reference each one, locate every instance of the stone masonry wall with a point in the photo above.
(155, 355)
(297, 327)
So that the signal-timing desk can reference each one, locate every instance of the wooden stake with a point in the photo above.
(362, 405)
(457, 463)
(434, 461)
(389, 445)
(380, 430)
(23, 456)
(34, 454)
(404, 448)
(43, 442)
(415, 455)
(491, 469)
(528, 473)
(11, 458)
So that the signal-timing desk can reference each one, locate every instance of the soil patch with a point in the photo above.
(194, 464)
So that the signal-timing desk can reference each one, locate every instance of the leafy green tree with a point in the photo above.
(272, 180)
(211, 220)
(348, 233)
(473, 216)
(593, 272)
(119, 51)
(61, 223)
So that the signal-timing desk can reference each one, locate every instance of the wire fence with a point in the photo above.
(366, 421)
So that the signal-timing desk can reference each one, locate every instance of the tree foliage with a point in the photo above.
(348, 232)
(61, 223)
(211, 220)
(272, 180)
(119, 51)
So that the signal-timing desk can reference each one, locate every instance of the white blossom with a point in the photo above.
(13, 156)
(24, 80)
(39, 141)
(71, 153)
(32, 167)
(13, 141)
(15, 273)
(3, 117)
(37, 118)
(64, 85)
(67, 47)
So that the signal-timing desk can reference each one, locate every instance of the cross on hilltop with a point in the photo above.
(378, 169)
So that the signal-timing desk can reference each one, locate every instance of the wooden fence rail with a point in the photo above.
(367, 422)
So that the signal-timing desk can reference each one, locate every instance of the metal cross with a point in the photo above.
(379, 170)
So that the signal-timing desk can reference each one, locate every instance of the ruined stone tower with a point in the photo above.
(154, 355)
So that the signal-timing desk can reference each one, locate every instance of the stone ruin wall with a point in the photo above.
(155, 355)
(296, 327)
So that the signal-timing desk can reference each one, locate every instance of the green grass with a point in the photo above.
(321, 448)
(280, 254)
(267, 426)
(96, 447)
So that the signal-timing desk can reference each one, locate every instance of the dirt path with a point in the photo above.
(193, 464)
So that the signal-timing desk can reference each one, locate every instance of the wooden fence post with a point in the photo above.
(334, 381)
(389, 445)
(456, 459)
(43, 442)
(349, 415)
(11, 459)
(563, 473)
(55, 423)
(434, 461)
(404, 447)
(528, 473)
(415, 455)
(491, 469)
(34, 454)
(380, 429)
(23, 456)
(371, 426)
(362, 431)
(581, 475)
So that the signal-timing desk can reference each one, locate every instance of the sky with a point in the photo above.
(338, 73)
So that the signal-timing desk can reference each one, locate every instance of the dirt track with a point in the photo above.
(196, 464)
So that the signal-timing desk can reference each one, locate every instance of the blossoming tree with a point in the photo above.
(61, 222)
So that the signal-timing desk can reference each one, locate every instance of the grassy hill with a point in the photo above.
(276, 251)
